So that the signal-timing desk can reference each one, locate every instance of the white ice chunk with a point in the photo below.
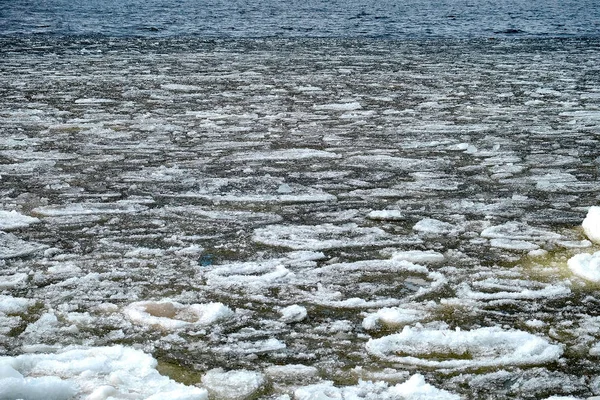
(339, 106)
(392, 317)
(518, 231)
(283, 155)
(321, 237)
(90, 373)
(177, 87)
(432, 226)
(291, 372)
(293, 313)
(14, 220)
(419, 256)
(14, 305)
(386, 215)
(11, 281)
(12, 247)
(119, 207)
(255, 347)
(591, 224)
(512, 291)
(173, 315)
(484, 347)
(586, 266)
(233, 385)
(36, 388)
(510, 244)
(414, 388)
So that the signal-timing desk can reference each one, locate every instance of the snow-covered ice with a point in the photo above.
(586, 266)
(173, 315)
(591, 224)
(92, 373)
(233, 385)
(483, 347)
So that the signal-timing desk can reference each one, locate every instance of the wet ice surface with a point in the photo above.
(287, 219)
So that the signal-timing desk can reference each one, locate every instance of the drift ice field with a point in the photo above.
(304, 219)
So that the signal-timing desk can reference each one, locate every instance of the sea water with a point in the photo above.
(271, 214)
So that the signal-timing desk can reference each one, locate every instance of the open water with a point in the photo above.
(390, 19)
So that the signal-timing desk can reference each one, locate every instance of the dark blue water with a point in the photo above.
(394, 19)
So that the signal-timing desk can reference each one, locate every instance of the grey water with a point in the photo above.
(407, 19)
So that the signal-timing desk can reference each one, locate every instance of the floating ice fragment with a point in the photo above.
(14, 305)
(321, 237)
(13, 220)
(510, 244)
(392, 318)
(284, 188)
(35, 388)
(293, 313)
(484, 347)
(233, 385)
(119, 207)
(283, 155)
(12, 247)
(415, 388)
(11, 281)
(256, 347)
(339, 106)
(172, 315)
(419, 256)
(512, 290)
(90, 373)
(386, 215)
(94, 101)
(177, 87)
(518, 231)
(432, 226)
(586, 266)
(291, 372)
(591, 224)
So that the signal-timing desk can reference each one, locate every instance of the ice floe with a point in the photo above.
(483, 347)
(591, 224)
(435, 227)
(586, 266)
(415, 388)
(325, 236)
(517, 231)
(120, 207)
(92, 373)
(11, 246)
(293, 313)
(419, 256)
(233, 385)
(14, 220)
(386, 215)
(173, 315)
(393, 317)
